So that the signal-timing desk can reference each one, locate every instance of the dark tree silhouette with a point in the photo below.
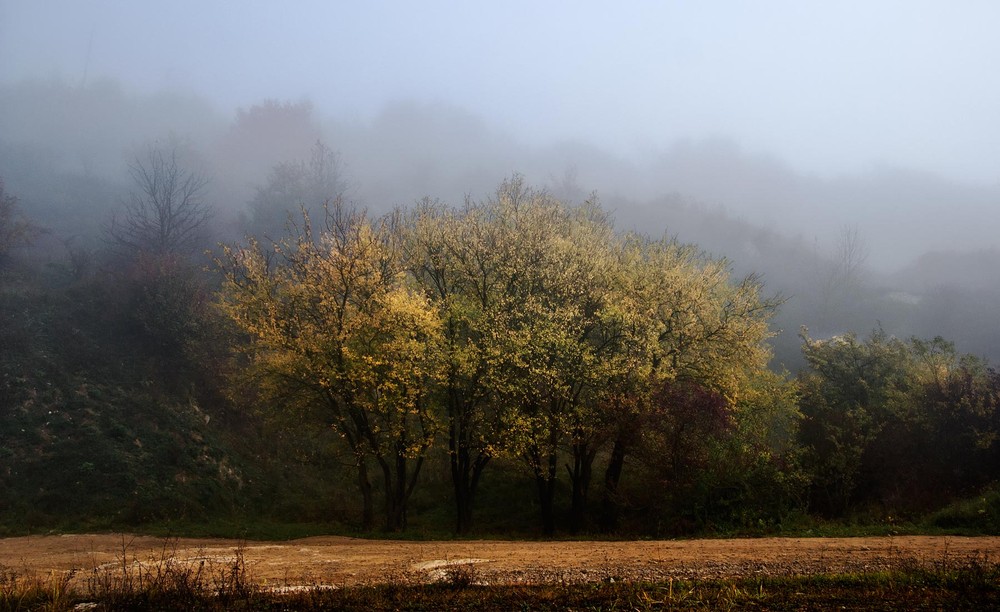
(15, 230)
(166, 213)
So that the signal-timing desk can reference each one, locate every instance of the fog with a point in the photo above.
(767, 132)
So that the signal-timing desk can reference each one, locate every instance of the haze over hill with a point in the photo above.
(763, 133)
(832, 89)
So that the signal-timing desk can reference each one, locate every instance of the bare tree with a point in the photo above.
(842, 282)
(15, 229)
(166, 213)
(852, 254)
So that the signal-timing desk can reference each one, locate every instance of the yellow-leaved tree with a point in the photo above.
(525, 327)
(700, 332)
(454, 255)
(522, 285)
(334, 314)
(557, 336)
(558, 332)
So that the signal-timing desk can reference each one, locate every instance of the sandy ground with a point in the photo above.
(338, 561)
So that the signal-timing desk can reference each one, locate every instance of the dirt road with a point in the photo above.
(341, 561)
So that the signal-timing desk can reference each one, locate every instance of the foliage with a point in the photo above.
(89, 438)
(400, 356)
(106, 454)
(847, 395)
(708, 466)
(978, 514)
(335, 320)
(759, 478)
(905, 424)
(533, 320)
(704, 345)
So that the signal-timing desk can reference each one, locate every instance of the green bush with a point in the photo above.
(977, 515)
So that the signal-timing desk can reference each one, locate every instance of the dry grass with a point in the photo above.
(163, 582)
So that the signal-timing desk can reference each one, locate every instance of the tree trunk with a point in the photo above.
(610, 508)
(546, 494)
(394, 484)
(399, 483)
(390, 509)
(463, 502)
(545, 479)
(465, 474)
(367, 499)
(580, 476)
(467, 464)
(399, 491)
(458, 455)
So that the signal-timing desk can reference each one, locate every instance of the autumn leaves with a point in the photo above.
(509, 327)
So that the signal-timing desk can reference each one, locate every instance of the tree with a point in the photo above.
(557, 329)
(334, 316)
(294, 185)
(166, 213)
(160, 298)
(846, 395)
(263, 135)
(961, 451)
(521, 283)
(899, 423)
(15, 230)
(842, 281)
(710, 461)
(697, 328)
(755, 475)
(452, 255)
(542, 335)
(683, 425)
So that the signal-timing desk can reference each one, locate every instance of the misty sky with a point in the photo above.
(828, 87)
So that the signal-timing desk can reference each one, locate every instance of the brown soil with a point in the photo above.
(341, 561)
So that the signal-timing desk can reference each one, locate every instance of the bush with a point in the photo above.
(978, 515)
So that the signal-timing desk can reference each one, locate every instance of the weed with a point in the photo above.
(461, 575)
(21, 592)
(165, 583)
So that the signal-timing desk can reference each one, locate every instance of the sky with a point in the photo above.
(827, 87)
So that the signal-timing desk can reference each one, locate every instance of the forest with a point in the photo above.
(231, 329)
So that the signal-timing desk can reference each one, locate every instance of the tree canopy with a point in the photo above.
(518, 324)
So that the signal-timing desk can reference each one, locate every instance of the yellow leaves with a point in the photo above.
(701, 324)
(540, 308)
(335, 313)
